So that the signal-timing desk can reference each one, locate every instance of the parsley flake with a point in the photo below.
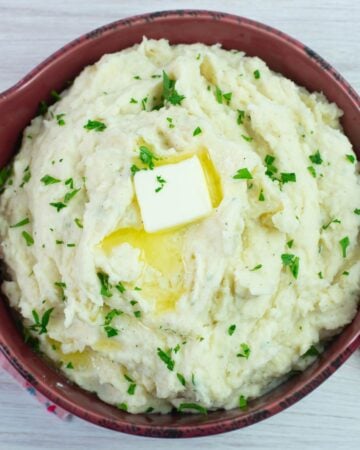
(122, 406)
(60, 119)
(240, 117)
(181, 378)
(247, 138)
(120, 287)
(312, 171)
(257, 74)
(166, 358)
(40, 325)
(48, 179)
(231, 329)
(344, 243)
(28, 238)
(243, 174)
(95, 125)
(21, 223)
(245, 351)
(147, 157)
(197, 131)
(316, 158)
(161, 182)
(292, 262)
(288, 177)
(357, 211)
(69, 365)
(324, 227)
(132, 100)
(261, 196)
(350, 158)
(78, 223)
(313, 351)
(105, 286)
(242, 402)
(257, 267)
(170, 94)
(58, 205)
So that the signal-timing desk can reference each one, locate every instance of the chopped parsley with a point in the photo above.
(271, 170)
(257, 267)
(111, 315)
(21, 223)
(137, 314)
(132, 100)
(147, 157)
(344, 243)
(143, 103)
(137, 77)
(161, 182)
(170, 94)
(70, 195)
(197, 131)
(288, 177)
(60, 119)
(62, 286)
(58, 205)
(69, 365)
(243, 174)
(240, 117)
(166, 358)
(194, 406)
(290, 243)
(316, 158)
(218, 94)
(181, 378)
(78, 222)
(257, 74)
(55, 95)
(350, 158)
(137, 288)
(120, 287)
(231, 329)
(155, 76)
(5, 173)
(313, 351)
(312, 171)
(247, 138)
(122, 406)
(242, 402)
(227, 97)
(110, 331)
(105, 287)
(170, 120)
(357, 211)
(43, 108)
(48, 179)
(320, 275)
(69, 182)
(261, 196)
(95, 125)
(346, 273)
(245, 351)
(131, 389)
(28, 238)
(26, 176)
(133, 169)
(324, 227)
(292, 262)
(40, 325)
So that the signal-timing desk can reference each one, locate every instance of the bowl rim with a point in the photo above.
(229, 424)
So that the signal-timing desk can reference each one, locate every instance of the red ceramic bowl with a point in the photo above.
(19, 104)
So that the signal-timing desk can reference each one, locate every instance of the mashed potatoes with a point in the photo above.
(209, 314)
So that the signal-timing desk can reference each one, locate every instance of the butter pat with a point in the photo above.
(172, 194)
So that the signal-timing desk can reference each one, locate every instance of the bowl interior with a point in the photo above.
(19, 104)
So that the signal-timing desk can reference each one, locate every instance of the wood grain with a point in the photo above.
(329, 418)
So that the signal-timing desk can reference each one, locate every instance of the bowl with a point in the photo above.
(18, 106)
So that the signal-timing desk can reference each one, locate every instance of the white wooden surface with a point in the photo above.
(329, 418)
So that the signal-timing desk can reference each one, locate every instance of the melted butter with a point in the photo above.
(81, 360)
(163, 250)
(107, 345)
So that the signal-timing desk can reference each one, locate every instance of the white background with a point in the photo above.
(329, 418)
